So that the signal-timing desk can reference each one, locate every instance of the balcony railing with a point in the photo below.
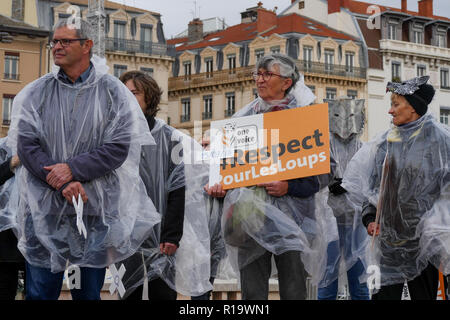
(245, 73)
(218, 77)
(185, 118)
(6, 122)
(229, 112)
(10, 76)
(331, 69)
(206, 115)
(135, 46)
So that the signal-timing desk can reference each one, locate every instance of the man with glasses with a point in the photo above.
(78, 132)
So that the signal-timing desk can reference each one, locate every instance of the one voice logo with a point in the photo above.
(234, 137)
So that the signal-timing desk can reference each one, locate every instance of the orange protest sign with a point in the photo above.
(274, 146)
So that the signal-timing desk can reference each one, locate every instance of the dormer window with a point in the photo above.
(231, 63)
(209, 67)
(187, 70)
(119, 35)
(441, 36)
(417, 33)
(392, 31)
(259, 53)
(329, 60)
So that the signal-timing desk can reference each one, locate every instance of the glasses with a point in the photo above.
(265, 75)
(64, 42)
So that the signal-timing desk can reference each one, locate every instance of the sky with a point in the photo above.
(176, 14)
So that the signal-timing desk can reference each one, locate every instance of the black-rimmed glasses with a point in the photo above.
(265, 75)
(64, 42)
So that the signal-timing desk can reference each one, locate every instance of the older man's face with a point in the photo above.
(274, 88)
(73, 53)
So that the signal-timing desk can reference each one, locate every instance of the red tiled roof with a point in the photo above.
(247, 31)
(361, 8)
(108, 5)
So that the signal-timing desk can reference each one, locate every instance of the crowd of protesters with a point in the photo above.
(84, 141)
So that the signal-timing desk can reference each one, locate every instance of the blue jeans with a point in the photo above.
(342, 249)
(358, 291)
(42, 284)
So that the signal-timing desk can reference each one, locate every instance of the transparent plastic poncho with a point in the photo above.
(8, 192)
(254, 222)
(404, 173)
(69, 121)
(344, 252)
(174, 162)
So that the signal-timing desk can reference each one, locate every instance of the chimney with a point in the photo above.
(404, 6)
(335, 5)
(265, 20)
(345, 3)
(195, 30)
(18, 9)
(426, 8)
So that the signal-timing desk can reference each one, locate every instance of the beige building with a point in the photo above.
(398, 44)
(23, 60)
(134, 37)
(212, 72)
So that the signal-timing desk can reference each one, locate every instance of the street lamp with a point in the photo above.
(5, 37)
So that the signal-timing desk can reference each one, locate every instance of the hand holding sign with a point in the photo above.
(275, 188)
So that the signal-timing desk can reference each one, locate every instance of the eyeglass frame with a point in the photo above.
(54, 42)
(268, 74)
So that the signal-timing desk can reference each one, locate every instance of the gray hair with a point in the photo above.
(82, 27)
(287, 66)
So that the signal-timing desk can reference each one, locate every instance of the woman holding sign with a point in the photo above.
(277, 218)
(403, 175)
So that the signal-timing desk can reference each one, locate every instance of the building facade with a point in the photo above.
(134, 37)
(212, 73)
(23, 57)
(399, 44)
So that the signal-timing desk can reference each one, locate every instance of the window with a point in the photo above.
(147, 71)
(187, 70)
(417, 34)
(7, 107)
(444, 79)
(331, 93)
(329, 60)
(230, 104)
(349, 57)
(231, 63)
(444, 115)
(146, 38)
(396, 76)
(119, 70)
(392, 31)
(275, 49)
(259, 53)
(209, 67)
(307, 57)
(11, 66)
(185, 110)
(207, 107)
(119, 35)
(440, 40)
(352, 94)
(421, 70)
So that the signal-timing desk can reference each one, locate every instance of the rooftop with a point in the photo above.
(292, 23)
